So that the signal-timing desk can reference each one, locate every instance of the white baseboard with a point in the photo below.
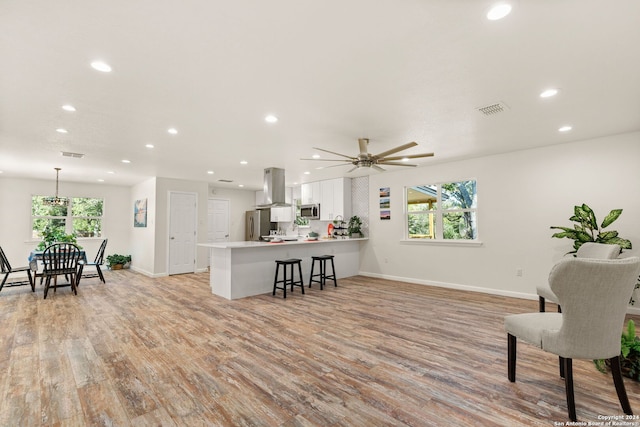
(520, 295)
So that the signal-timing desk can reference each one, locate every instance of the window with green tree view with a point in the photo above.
(83, 217)
(443, 211)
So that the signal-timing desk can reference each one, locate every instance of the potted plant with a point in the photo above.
(51, 235)
(355, 227)
(117, 262)
(585, 228)
(629, 354)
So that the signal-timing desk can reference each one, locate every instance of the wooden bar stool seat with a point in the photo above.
(289, 276)
(323, 276)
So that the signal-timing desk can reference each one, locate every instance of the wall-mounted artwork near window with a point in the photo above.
(140, 213)
(385, 203)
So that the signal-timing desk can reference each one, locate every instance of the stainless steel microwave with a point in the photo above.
(311, 211)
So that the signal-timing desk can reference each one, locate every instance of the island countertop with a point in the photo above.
(242, 269)
(253, 244)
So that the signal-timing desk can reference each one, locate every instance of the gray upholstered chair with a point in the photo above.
(594, 294)
(586, 250)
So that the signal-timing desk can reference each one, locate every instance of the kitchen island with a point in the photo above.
(242, 269)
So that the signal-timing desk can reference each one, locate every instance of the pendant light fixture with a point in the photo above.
(56, 201)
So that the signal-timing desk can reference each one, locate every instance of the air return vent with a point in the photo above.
(225, 180)
(493, 109)
(70, 154)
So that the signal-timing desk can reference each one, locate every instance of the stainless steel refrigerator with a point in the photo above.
(258, 223)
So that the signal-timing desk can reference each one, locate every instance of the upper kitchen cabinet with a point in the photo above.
(284, 214)
(310, 193)
(335, 199)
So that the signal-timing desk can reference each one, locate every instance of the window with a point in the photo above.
(444, 211)
(83, 217)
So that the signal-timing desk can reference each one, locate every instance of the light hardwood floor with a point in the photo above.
(140, 351)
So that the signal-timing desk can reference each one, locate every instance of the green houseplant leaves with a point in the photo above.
(586, 228)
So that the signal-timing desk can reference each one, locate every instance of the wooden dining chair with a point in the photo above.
(7, 269)
(97, 262)
(60, 259)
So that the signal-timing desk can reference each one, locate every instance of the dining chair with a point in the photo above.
(7, 270)
(97, 262)
(60, 259)
(586, 250)
(594, 294)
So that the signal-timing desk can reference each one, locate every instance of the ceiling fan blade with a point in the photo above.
(333, 152)
(352, 169)
(411, 156)
(330, 160)
(395, 164)
(378, 168)
(363, 143)
(395, 150)
(333, 166)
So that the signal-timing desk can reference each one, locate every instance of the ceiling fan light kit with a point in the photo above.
(364, 159)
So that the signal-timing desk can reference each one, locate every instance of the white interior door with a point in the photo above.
(182, 232)
(218, 220)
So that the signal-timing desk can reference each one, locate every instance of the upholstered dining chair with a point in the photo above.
(594, 295)
(97, 262)
(6, 268)
(586, 250)
(60, 259)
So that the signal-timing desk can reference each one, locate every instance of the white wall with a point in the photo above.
(15, 215)
(520, 195)
(143, 239)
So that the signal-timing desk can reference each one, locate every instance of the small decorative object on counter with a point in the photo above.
(312, 236)
(355, 227)
(340, 228)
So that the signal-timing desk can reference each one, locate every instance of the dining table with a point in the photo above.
(35, 259)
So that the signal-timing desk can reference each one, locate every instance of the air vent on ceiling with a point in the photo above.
(225, 180)
(490, 110)
(70, 154)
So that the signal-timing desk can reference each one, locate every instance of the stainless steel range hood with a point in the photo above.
(273, 189)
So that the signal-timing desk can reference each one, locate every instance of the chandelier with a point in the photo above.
(56, 201)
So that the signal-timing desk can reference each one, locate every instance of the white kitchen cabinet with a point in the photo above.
(284, 214)
(310, 192)
(335, 199)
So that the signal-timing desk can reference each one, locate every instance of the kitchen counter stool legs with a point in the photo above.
(322, 260)
(289, 276)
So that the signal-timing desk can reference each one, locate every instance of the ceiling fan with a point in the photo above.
(367, 160)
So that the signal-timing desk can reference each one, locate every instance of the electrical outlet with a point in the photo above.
(519, 272)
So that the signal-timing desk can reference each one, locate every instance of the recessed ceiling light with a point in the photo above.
(101, 66)
(565, 128)
(210, 172)
(316, 156)
(307, 173)
(110, 172)
(270, 119)
(68, 107)
(404, 159)
(61, 130)
(126, 161)
(172, 131)
(240, 185)
(149, 145)
(549, 93)
(243, 162)
(498, 11)
(100, 180)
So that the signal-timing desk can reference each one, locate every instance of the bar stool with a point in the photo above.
(288, 280)
(322, 260)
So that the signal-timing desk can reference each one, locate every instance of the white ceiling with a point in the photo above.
(332, 71)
